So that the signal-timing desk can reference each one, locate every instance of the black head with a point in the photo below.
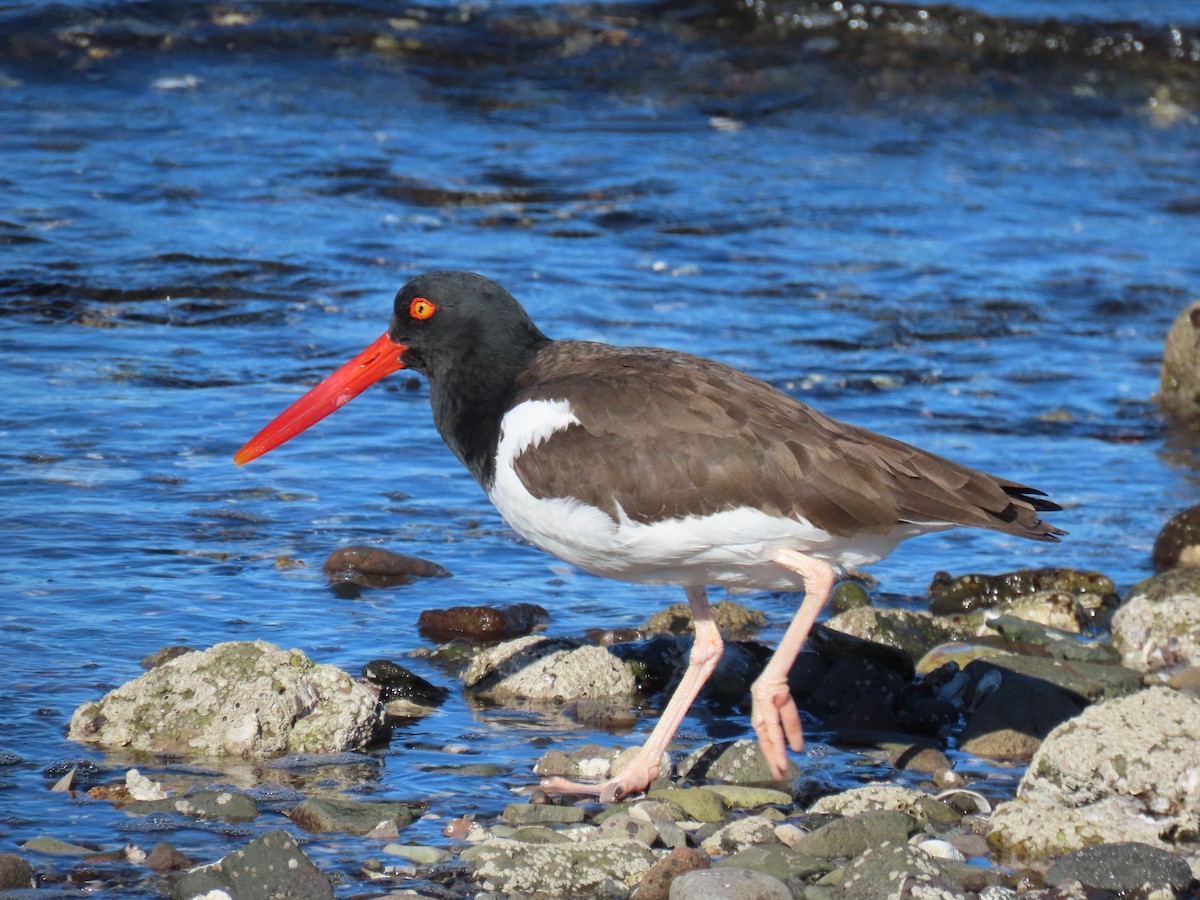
(455, 321)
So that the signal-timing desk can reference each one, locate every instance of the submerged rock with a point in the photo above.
(236, 698)
(377, 567)
(481, 624)
(355, 816)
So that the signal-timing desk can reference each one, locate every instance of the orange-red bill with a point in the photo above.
(381, 358)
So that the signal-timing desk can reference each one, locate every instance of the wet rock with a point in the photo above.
(56, 847)
(1179, 376)
(727, 883)
(1123, 770)
(921, 806)
(589, 762)
(15, 872)
(597, 867)
(850, 836)
(741, 796)
(1056, 643)
(541, 814)
(319, 814)
(965, 593)
(848, 594)
(1158, 627)
(545, 669)
(777, 861)
(1178, 543)
(481, 624)
(378, 568)
(733, 762)
(660, 662)
(267, 868)
(1123, 868)
(1084, 682)
(656, 883)
(859, 693)
(733, 619)
(420, 854)
(698, 804)
(914, 632)
(165, 858)
(237, 698)
(919, 757)
(225, 806)
(1011, 713)
(403, 693)
(878, 871)
(625, 825)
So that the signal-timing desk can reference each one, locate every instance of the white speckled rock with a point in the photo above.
(239, 698)
(1158, 626)
(551, 669)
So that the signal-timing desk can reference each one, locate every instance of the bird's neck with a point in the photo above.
(470, 399)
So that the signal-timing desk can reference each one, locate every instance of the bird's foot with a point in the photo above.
(633, 778)
(776, 721)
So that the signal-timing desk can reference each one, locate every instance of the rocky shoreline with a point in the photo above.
(1098, 695)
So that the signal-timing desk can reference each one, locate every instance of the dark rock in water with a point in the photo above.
(268, 868)
(859, 693)
(1122, 868)
(15, 872)
(481, 623)
(1179, 377)
(966, 593)
(659, 663)
(397, 683)
(1057, 644)
(1012, 713)
(1083, 682)
(354, 816)
(1178, 543)
(378, 568)
(165, 858)
(836, 645)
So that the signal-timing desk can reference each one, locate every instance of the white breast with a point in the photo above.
(732, 548)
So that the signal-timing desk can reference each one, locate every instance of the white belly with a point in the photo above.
(734, 548)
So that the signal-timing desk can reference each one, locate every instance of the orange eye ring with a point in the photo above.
(421, 308)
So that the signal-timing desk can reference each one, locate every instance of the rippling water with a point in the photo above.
(967, 228)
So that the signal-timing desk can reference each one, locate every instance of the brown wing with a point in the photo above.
(664, 434)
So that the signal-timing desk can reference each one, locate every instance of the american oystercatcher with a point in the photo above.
(656, 466)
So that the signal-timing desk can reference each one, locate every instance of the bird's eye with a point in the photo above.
(421, 308)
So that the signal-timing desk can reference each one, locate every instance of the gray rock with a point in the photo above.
(778, 861)
(541, 814)
(914, 632)
(1123, 770)
(237, 698)
(548, 669)
(1086, 682)
(227, 806)
(354, 816)
(599, 867)
(848, 837)
(1179, 377)
(884, 871)
(1013, 714)
(1158, 627)
(728, 883)
(15, 872)
(738, 835)
(1122, 868)
(1056, 643)
(268, 868)
(921, 806)
(733, 762)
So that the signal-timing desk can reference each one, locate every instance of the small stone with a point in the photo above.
(741, 796)
(481, 624)
(378, 568)
(354, 816)
(226, 806)
(738, 835)
(419, 854)
(727, 883)
(700, 804)
(734, 620)
(922, 806)
(395, 682)
(15, 872)
(732, 762)
(165, 858)
(656, 883)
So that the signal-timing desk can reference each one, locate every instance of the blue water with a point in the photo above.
(202, 216)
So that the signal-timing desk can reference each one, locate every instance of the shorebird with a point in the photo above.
(656, 466)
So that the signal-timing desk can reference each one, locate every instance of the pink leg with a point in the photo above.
(773, 711)
(643, 769)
